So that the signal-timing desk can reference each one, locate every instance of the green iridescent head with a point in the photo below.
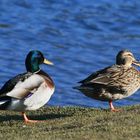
(34, 59)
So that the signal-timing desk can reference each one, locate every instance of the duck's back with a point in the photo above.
(112, 83)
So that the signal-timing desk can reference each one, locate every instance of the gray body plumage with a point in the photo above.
(27, 91)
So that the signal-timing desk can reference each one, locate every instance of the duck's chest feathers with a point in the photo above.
(41, 94)
(131, 83)
(39, 98)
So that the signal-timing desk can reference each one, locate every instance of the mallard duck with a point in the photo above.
(114, 82)
(30, 90)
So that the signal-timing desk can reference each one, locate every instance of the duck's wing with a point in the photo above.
(104, 76)
(10, 84)
(21, 85)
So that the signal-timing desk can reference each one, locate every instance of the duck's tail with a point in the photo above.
(76, 87)
(4, 102)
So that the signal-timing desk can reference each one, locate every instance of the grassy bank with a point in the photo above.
(72, 123)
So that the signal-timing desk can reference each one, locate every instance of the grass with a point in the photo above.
(72, 123)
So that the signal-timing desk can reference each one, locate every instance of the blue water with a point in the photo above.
(79, 36)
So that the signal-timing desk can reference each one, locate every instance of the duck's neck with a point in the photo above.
(32, 67)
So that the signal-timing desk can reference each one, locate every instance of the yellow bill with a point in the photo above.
(47, 62)
(137, 63)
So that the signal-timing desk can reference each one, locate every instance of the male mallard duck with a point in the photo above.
(30, 90)
(114, 82)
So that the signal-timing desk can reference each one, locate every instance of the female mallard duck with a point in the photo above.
(114, 82)
(30, 90)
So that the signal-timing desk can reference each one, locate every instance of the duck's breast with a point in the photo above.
(39, 97)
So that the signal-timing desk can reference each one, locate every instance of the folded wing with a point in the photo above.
(105, 76)
(21, 85)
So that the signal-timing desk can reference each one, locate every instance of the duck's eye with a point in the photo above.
(36, 56)
(130, 55)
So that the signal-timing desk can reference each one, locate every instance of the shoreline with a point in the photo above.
(73, 123)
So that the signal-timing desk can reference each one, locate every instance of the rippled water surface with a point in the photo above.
(79, 36)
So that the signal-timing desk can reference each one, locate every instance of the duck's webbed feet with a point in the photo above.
(112, 107)
(26, 120)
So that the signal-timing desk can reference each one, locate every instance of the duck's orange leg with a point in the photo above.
(26, 120)
(112, 107)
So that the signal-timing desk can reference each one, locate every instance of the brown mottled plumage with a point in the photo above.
(114, 82)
